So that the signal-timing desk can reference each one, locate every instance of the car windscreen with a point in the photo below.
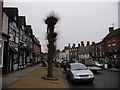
(65, 61)
(97, 62)
(78, 67)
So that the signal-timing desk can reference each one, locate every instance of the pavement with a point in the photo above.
(32, 78)
(114, 69)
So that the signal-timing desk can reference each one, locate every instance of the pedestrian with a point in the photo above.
(43, 63)
(109, 65)
(31, 62)
(65, 64)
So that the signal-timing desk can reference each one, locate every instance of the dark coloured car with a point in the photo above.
(63, 63)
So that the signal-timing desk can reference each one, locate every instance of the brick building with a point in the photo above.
(108, 50)
(112, 44)
(73, 52)
(36, 50)
(19, 45)
(97, 52)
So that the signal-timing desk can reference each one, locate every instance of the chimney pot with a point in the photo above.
(73, 45)
(88, 43)
(69, 45)
(82, 43)
(111, 29)
(93, 43)
(78, 45)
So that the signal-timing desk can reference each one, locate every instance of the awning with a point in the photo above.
(4, 36)
(15, 50)
(24, 46)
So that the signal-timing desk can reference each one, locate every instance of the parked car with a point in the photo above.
(63, 63)
(71, 61)
(79, 72)
(96, 63)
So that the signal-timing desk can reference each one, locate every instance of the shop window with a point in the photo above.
(1, 53)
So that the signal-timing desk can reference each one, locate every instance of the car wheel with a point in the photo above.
(91, 82)
(71, 80)
(67, 76)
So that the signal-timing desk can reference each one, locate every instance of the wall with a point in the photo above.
(1, 48)
(110, 41)
(5, 23)
(36, 48)
(119, 14)
(1, 16)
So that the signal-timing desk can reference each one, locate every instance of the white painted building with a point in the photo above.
(85, 53)
(65, 54)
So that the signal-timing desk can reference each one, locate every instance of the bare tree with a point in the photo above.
(51, 21)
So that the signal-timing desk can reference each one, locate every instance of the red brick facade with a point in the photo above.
(36, 50)
(109, 47)
(73, 52)
(112, 43)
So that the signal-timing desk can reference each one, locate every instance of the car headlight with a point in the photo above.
(76, 75)
(91, 75)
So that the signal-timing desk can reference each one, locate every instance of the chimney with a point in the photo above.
(88, 43)
(69, 45)
(82, 43)
(73, 45)
(78, 45)
(111, 29)
(65, 47)
(93, 43)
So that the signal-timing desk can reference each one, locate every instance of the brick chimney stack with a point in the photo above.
(69, 45)
(82, 43)
(78, 45)
(111, 29)
(93, 43)
(88, 43)
(73, 45)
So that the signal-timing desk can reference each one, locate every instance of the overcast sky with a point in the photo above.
(79, 21)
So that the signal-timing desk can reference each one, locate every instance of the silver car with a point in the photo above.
(79, 72)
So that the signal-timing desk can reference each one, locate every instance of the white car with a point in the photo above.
(79, 72)
(96, 63)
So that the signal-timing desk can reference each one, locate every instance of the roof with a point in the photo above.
(113, 33)
(11, 11)
(21, 20)
(28, 29)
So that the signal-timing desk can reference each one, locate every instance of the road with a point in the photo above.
(103, 79)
